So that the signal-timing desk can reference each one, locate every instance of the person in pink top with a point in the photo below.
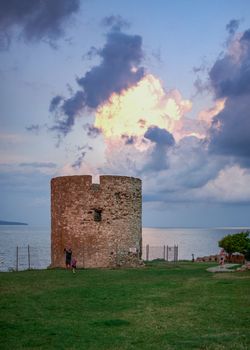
(73, 265)
(222, 257)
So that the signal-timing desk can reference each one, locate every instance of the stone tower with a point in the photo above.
(100, 222)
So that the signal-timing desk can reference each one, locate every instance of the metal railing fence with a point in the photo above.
(165, 252)
(21, 258)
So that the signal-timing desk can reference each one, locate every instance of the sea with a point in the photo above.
(23, 247)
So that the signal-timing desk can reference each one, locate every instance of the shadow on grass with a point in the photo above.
(111, 323)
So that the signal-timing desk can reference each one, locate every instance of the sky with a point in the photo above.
(158, 90)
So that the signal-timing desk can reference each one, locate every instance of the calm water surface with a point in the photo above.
(197, 241)
(38, 240)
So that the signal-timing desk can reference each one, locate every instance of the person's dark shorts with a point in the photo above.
(68, 261)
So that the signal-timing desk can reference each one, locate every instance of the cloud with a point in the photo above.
(139, 107)
(246, 35)
(92, 131)
(145, 129)
(230, 186)
(229, 134)
(54, 103)
(230, 75)
(159, 136)
(21, 188)
(35, 128)
(82, 152)
(165, 167)
(78, 162)
(134, 155)
(189, 167)
(232, 26)
(116, 23)
(230, 79)
(129, 140)
(12, 180)
(68, 110)
(7, 138)
(176, 173)
(179, 172)
(35, 20)
(119, 69)
(120, 160)
(200, 86)
(93, 51)
(39, 165)
(162, 140)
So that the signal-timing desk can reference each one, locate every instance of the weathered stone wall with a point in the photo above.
(76, 204)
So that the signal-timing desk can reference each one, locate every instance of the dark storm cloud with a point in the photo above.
(245, 36)
(232, 26)
(121, 53)
(119, 69)
(162, 140)
(159, 136)
(230, 75)
(74, 104)
(55, 103)
(34, 19)
(69, 109)
(231, 127)
(230, 79)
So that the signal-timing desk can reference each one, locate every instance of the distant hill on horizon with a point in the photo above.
(2, 222)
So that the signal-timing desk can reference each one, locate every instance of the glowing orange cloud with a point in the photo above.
(208, 114)
(134, 110)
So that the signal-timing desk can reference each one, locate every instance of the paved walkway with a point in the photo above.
(222, 268)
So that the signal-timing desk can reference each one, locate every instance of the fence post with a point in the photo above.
(167, 252)
(175, 253)
(147, 252)
(17, 258)
(164, 252)
(28, 256)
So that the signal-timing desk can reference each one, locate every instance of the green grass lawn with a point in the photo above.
(160, 306)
